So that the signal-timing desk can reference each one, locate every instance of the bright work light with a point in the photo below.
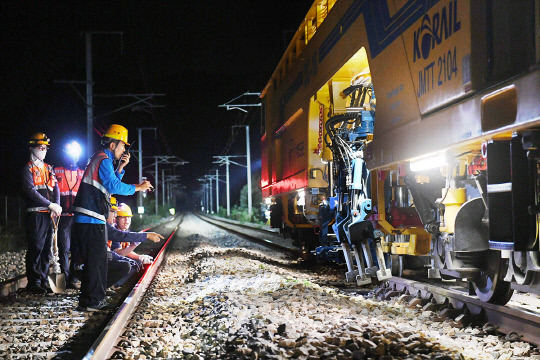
(301, 198)
(73, 150)
(430, 162)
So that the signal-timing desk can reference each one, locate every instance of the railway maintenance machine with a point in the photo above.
(404, 135)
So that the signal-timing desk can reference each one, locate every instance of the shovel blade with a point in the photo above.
(57, 283)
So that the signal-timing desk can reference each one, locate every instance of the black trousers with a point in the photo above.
(91, 246)
(38, 237)
(120, 268)
(64, 242)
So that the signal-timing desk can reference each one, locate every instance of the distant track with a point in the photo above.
(251, 233)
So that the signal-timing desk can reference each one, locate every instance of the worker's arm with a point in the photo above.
(116, 235)
(112, 180)
(56, 193)
(127, 251)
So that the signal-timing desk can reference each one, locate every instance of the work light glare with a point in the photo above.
(430, 162)
(73, 149)
(301, 198)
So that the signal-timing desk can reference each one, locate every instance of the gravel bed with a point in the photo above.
(219, 296)
(46, 327)
(12, 264)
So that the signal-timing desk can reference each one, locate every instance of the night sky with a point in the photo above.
(199, 53)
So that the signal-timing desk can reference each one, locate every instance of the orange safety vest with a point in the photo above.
(68, 184)
(123, 245)
(44, 182)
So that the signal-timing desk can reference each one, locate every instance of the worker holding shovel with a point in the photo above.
(42, 199)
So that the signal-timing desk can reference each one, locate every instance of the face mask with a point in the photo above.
(39, 154)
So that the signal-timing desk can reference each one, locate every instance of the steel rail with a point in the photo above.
(264, 234)
(9, 286)
(506, 318)
(104, 346)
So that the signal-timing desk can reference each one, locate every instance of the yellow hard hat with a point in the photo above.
(114, 204)
(39, 138)
(124, 210)
(117, 132)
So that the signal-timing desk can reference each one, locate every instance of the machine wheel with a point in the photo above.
(439, 257)
(396, 265)
(490, 286)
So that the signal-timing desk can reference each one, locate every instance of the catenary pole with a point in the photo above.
(228, 190)
(163, 187)
(217, 190)
(248, 160)
(89, 96)
(157, 185)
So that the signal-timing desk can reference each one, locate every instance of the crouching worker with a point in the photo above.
(123, 222)
(121, 268)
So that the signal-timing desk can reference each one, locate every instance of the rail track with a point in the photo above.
(254, 233)
(48, 326)
(65, 333)
(126, 328)
(519, 319)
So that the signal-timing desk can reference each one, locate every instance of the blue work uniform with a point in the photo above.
(121, 268)
(91, 208)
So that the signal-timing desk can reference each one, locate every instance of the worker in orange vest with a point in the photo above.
(69, 178)
(123, 222)
(42, 201)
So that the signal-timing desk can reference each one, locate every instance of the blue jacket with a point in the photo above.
(111, 182)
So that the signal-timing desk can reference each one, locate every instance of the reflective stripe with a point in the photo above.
(66, 193)
(58, 171)
(89, 213)
(499, 188)
(97, 185)
(41, 187)
(39, 208)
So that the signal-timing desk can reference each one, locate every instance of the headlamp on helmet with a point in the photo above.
(39, 138)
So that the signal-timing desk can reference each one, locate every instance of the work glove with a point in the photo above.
(145, 259)
(56, 209)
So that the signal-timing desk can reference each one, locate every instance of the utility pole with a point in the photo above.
(171, 181)
(231, 106)
(163, 187)
(248, 166)
(211, 205)
(228, 191)
(207, 192)
(215, 177)
(167, 160)
(89, 96)
(90, 87)
(226, 160)
(217, 190)
(139, 130)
